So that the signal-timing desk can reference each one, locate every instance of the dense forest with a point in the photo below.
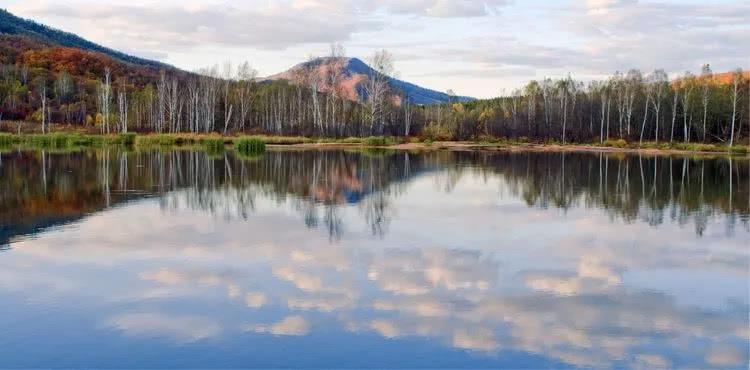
(43, 85)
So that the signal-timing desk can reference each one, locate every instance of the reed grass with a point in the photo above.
(249, 145)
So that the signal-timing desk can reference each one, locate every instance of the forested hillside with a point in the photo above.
(13, 25)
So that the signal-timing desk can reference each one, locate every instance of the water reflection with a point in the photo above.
(52, 188)
(457, 259)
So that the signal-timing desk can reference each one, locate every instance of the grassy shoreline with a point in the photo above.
(257, 143)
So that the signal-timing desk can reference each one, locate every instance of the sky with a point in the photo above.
(474, 47)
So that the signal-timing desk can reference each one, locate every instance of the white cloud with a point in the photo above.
(385, 328)
(595, 5)
(589, 38)
(181, 328)
(172, 27)
(255, 299)
(463, 295)
(650, 35)
(438, 8)
(292, 325)
(479, 340)
(323, 303)
(164, 276)
(726, 356)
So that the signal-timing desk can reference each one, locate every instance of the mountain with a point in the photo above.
(353, 72)
(11, 25)
(25, 42)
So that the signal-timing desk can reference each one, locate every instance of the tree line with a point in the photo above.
(230, 99)
(630, 106)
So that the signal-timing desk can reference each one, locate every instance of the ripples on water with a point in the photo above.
(333, 258)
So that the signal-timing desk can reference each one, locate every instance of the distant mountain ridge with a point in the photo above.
(354, 71)
(17, 26)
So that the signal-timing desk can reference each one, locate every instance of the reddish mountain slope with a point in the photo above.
(352, 72)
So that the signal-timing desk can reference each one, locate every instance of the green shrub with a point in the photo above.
(77, 140)
(127, 139)
(379, 141)
(739, 149)
(48, 141)
(6, 139)
(375, 141)
(249, 146)
(697, 147)
(352, 140)
(56, 140)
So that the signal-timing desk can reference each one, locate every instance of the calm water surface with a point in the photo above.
(342, 259)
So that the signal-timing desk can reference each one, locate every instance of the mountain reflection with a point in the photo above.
(41, 189)
(574, 260)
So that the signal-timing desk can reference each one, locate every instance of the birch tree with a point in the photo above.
(660, 84)
(43, 98)
(736, 83)
(686, 85)
(173, 102)
(226, 84)
(122, 104)
(377, 87)
(632, 85)
(706, 76)
(312, 78)
(563, 93)
(619, 87)
(407, 114)
(532, 92)
(603, 113)
(63, 86)
(246, 76)
(105, 99)
(547, 89)
(649, 90)
(161, 101)
(675, 104)
(333, 75)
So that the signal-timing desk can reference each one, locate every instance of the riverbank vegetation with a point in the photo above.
(634, 107)
(256, 144)
(65, 140)
(249, 146)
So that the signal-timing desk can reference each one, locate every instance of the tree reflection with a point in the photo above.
(595, 298)
(39, 189)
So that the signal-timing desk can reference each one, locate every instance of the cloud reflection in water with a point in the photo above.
(502, 262)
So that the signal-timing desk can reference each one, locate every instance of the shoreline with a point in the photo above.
(511, 147)
(73, 139)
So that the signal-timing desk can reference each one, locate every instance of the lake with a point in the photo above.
(332, 258)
